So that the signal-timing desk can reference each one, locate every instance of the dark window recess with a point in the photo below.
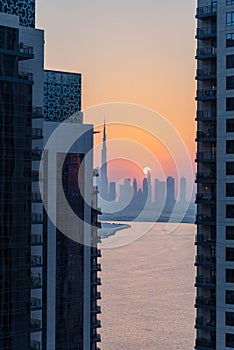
(230, 189)
(230, 61)
(229, 254)
(230, 2)
(229, 296)
(229, 340)
(229, 275)
(230, 103)
(229, 318)
(230, 125)
(230, 232)
(230, 82)
(229, 39)
(230, 146)
(230, 168)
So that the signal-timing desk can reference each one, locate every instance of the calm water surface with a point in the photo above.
(148, 291)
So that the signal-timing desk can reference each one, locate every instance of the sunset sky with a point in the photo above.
(130, 51)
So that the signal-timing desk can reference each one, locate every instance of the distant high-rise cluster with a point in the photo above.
(134, 198)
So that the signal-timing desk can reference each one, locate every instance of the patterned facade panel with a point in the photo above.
(25, 9)
(62, 95)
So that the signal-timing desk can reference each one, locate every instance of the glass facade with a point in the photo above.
(15, 203)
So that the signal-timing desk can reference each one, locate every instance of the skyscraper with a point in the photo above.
(215, 174)
(103, 182)
(170, 197)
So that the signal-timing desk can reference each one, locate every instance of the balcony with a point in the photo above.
(25, 76)
(204, 74)
(204, 53)
(202, 260)
(95, 338)
(96, 252)
(37, 113)
(206, 115)
(96, 324)
(37, 133)
(96, 296)
(205, 323)
(35, 175)
(206, 303)
(205, 282)
(36, 240)
(35, 324)
(206, 136)
(96, 282)
(36, 197)
(205, 198)
(206, 177)
(37, 218)
(206, 157)
(204, 344)
(206, 33)
(96, 267)
(36, 281)
(35, 303)
(97, 310)
(206, 241)
(205, 95)
(206, 11)
(36, 261)
(202, 219)
(36, 154)
(35, 345)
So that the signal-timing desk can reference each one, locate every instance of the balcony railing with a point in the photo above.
(208, 94)
(205, 197)
(37, 133)
(96, 281)
(201, 239)
(97, 310)
(35, 345)
(96, 295)
(35, 324)
(205, 219)
(36, 154)
(205, 74)
(96, 252)
(206, 177)
(36, 281)
(35, 260)
(202, 322)
(96, 267)
(206, 11)
(206, 157)
(205, 343)
(206, 52)
(206, 281)
(37, 113)
(205, 260)
(202, 301)
(36, 239)
(35, 303)
(25, 76)
(207, 135)
(37, 218)
(206, 115)
(207, 32)
(35, 175)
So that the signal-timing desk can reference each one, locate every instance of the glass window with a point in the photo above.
(229, 254)
(230, 147)
(230, 82)
(230, 18)
(230, 232)
(229, 275)
(230, 103)
(230, 189)
(229, 340)
(230, 61)
(230, 2)
(229, 211)
(229, 39)
(230, 125)
(229, 296)
(229, 318)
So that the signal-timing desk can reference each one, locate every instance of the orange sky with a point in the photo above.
(130, 51)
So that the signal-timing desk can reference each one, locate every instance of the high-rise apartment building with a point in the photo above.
(215, 175)
(46, 301)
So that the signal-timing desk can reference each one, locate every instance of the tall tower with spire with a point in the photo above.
(103, 171)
